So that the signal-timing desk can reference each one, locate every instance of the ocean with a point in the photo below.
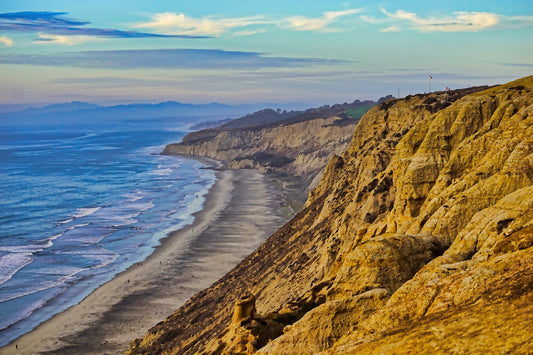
(80, 204)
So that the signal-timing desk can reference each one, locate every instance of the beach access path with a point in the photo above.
(241, 210)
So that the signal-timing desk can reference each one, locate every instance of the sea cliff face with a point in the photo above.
(418, 238)
(295, 149)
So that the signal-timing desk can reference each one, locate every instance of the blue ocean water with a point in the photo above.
(79, 205)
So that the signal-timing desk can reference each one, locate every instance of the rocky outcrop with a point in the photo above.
(418, 238)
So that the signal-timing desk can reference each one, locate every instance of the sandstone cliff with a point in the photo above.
(298, 147)
(419, 238)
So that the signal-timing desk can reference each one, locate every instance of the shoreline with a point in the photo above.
(240, 211)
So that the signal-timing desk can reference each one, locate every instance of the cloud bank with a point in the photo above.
(165, 58)
(320, 24)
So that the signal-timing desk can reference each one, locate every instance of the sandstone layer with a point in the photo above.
(418, 239)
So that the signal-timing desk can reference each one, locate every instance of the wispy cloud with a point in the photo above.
(249, 32)
(55, 23)
(6, 41)
(30, 19)
(391, 29)
(373, 20)
(520, 19)
(523, 65)
(65, 40)
(165, 58)
(459, 22)
(171, 23)
(318, 24)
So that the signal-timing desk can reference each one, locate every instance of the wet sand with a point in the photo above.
(242, 209)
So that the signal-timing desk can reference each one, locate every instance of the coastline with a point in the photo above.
(240, 211)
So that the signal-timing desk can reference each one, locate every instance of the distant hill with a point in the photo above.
(66, 107)
(76, 113)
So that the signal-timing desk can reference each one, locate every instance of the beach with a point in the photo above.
(241, 210)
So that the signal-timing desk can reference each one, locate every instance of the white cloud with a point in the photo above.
(391, 29)
(459, 22)
(179, 23)
(65, 40)
(320, 24)
(527, 19)
(372, 19)
(8, 42)
(249, 32)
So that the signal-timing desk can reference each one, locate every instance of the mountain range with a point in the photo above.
(80, 113)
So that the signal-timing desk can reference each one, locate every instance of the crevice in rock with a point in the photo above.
(501, 225)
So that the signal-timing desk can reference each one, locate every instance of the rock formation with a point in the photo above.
(418, 239)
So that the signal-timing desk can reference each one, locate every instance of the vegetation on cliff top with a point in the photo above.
(270, 118)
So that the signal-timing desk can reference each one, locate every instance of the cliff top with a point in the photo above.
(269, 118)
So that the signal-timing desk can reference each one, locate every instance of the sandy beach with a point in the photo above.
(241, 210)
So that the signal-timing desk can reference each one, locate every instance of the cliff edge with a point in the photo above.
(418, 238)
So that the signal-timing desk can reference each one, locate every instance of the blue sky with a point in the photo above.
(313, 52)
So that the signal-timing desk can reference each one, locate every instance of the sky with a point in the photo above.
(237, 52)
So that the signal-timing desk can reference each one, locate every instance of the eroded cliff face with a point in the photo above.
(299, 149)
(419, 238)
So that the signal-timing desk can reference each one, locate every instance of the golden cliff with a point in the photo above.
(299, 147)
(418, 239)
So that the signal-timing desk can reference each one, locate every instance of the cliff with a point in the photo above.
(297, 145)
(418, 238)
